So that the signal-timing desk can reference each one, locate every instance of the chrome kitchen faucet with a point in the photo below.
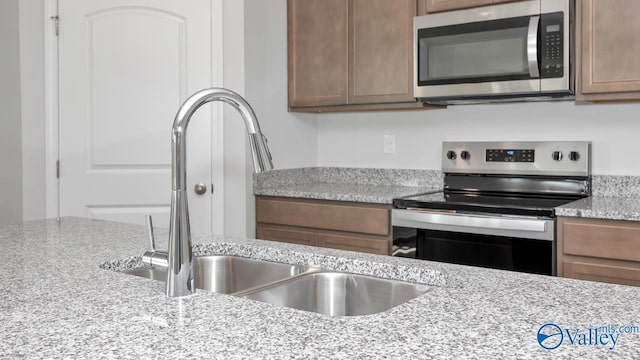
(179, 257)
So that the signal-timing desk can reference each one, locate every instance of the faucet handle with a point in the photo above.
(153, 257)
(152, 240)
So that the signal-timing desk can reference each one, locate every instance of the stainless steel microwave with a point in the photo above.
(512, 51)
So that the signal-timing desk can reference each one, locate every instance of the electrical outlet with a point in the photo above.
(389, 144)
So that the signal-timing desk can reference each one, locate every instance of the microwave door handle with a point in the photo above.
(532, 47)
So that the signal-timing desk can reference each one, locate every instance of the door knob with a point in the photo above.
(200, 188)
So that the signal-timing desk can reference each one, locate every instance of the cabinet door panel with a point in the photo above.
(603, 273)
(602, 239)
(324, 215)
(431, 6)
(286, 235)
(422, 7)
(354, 243)
(317, 52)
(447, 5)
(609, 50)
(381, 51)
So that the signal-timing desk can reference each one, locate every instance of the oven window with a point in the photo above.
(497, 252)
(477, 52)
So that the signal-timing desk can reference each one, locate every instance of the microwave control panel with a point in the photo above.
(552, 45)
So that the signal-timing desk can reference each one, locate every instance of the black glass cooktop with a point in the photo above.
(474, 202)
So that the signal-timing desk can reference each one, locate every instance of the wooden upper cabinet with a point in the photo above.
(431, 6)
(318, 52)
(608, 50)
(351, 55)
(381, 51)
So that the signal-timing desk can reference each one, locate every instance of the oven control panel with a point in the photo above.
(562, 158)
(510, 155)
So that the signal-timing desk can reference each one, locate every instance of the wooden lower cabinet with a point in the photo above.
(603, 271)
(331, 224)
(599, 250)
(284, 234)
(354, 243)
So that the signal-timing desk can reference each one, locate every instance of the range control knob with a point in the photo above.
(556, 155)
(465, 155)
(574, 156)
(451, 155)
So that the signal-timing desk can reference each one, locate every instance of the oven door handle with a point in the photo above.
(421, 220)
(532, 47)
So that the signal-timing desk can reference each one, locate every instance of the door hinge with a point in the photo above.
(56, 22)
(58, 169)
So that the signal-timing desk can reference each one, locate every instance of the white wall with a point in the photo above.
(10, 128)
(238, 204)
(292, 137)
(32, 93)
(255, 64)
(357, 139)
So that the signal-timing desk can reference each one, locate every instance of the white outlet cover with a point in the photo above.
(389, 144)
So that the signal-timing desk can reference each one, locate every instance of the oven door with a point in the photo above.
(499, 242)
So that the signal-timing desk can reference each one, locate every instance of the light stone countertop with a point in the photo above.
(379, 186)
(612, 198)
(603, 207)
(58, 301)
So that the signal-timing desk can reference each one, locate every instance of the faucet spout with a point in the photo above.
(180, 271)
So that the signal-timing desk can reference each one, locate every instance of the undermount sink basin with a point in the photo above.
(230, 274)
(338, 294)
(310, 289)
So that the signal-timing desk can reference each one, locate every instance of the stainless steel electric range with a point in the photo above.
(497, 207)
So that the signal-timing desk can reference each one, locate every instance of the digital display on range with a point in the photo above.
(510, 155)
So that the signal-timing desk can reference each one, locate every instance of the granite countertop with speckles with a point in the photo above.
(603, 207)
(60, 298)
(363, 185)
(613, 198)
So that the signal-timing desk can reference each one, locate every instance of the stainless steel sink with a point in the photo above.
(338, 294)
(325, 292)
(230, 274)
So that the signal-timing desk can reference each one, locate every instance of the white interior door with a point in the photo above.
(125, 66)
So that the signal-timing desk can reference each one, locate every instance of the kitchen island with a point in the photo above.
(60, 297)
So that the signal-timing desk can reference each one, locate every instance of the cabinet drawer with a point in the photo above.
(601, 239)
(613, 274)
(354, 243)
(286, 235)
(369, 219)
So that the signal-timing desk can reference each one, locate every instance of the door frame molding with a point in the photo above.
(217, 125)
(52, 119)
